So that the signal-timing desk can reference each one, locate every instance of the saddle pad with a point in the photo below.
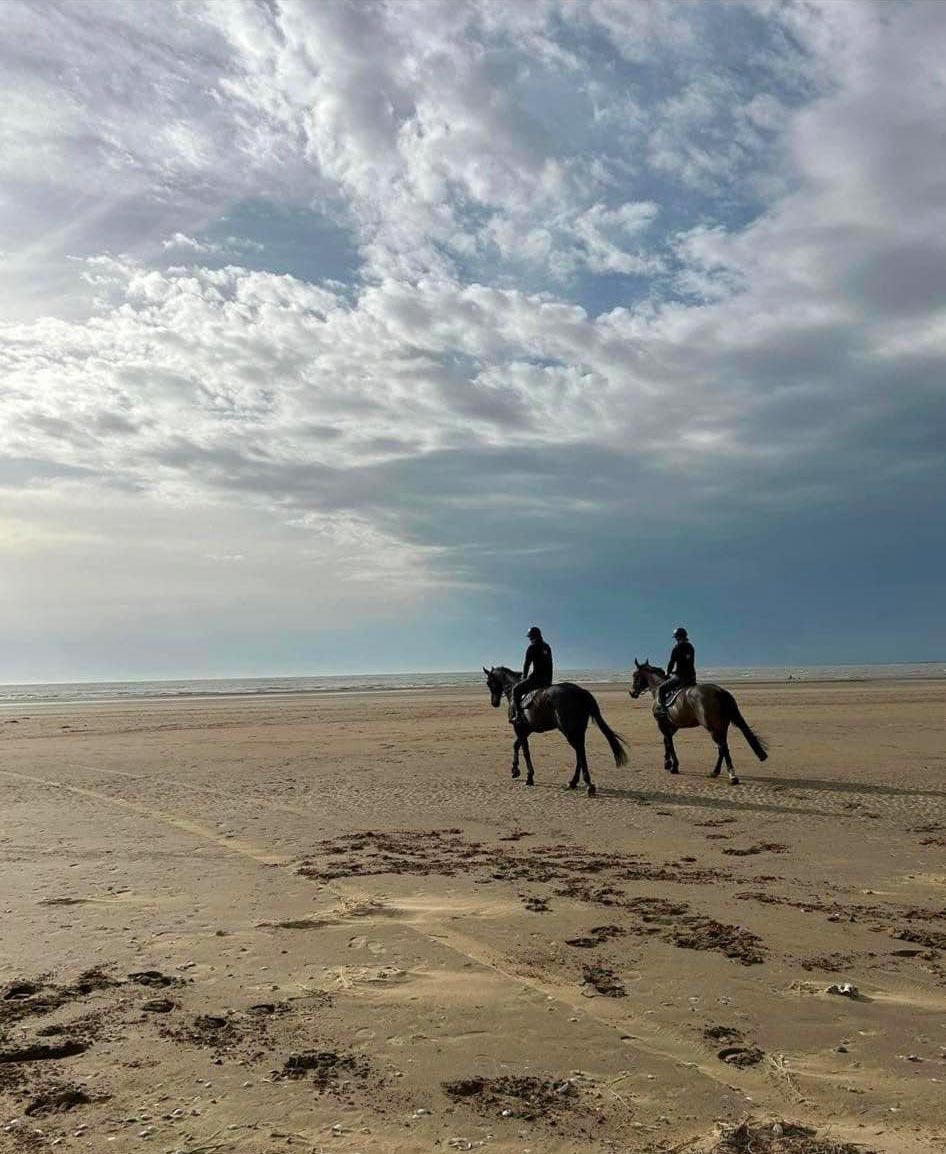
(676, 693)
(529, 700)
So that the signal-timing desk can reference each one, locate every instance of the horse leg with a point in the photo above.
(530, 774)
(671, 761)
(722, 744)
(721, 749)
(515, 759)
(577, 742)
(576, 776)
(583, 761)
(666, 732)
(724, 752)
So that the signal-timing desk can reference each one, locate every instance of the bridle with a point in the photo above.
(639, 675)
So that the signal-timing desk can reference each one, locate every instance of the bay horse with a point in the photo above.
(562, 706)
(704, 704)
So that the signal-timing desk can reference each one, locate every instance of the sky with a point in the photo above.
(343, 337)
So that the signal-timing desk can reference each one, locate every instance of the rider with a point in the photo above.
(539, 657)
(681, 670)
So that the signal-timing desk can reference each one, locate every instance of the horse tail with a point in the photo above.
(756, 743)
(615, 740)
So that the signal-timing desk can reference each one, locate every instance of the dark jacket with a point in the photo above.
(683, 663)
(539, 656)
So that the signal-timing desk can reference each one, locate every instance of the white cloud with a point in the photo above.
(696, 245)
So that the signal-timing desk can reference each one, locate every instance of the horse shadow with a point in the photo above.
(701, 801)
(835, 786)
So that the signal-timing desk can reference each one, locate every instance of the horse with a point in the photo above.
(562, 706)
(705, 704)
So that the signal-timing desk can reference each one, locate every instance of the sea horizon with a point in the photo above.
(14, 694)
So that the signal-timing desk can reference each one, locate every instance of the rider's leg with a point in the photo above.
(518, 692)
(664, 689)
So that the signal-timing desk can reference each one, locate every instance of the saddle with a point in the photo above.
(533, 698)
(676, 693)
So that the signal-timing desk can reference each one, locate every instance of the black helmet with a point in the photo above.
(679, 633)
(534, 632)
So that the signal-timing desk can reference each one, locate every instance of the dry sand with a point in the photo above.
(358, 934)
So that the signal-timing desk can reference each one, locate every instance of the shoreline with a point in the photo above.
(608, 684)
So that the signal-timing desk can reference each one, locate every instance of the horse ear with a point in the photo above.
(647, 661)
(637, 663)
(486, 671)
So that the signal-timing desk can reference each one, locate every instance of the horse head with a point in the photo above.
(645, 675)
(494, 681)
(639, 684)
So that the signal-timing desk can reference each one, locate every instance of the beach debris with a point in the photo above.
(741, 1056)
(21, 990)
(158, 1006)
(722, 1034)
(595, 937)
(325, 1067)
(778, 1136)
(57, 1100)
(604, 982)
(155, 979)
(844, 990)
(511, 1096)
(759, 847)
(44, 1053)
(536, 905)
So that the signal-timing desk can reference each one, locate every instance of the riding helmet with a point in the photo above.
(534, 633)
(679, 633)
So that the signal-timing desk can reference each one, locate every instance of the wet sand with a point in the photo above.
(336, 924)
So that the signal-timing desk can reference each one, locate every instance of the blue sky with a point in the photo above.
(361, 336)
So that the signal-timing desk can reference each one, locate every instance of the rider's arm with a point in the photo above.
(528, 662)
(671, 664)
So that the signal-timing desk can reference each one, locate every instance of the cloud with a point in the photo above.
(565, 277)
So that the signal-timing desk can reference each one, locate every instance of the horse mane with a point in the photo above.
(653, 668)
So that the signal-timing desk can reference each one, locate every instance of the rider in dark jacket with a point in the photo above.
(539, 659)
(681, 669)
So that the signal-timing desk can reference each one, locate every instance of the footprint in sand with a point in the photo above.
(362, 943)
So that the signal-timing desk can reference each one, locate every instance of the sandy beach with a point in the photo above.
(335, 923)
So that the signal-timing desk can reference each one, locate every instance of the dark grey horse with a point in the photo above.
(705, 704)
(562, 706)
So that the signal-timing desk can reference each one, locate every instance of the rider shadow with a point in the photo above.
(816, 783)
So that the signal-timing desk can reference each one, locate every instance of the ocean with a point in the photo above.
(92, 692)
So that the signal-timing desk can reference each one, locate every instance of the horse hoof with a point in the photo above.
(715, 774)
(516, 773)
(673, 769)
(572, 785)
(529, 781)
(734, 781)
(592, 792)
